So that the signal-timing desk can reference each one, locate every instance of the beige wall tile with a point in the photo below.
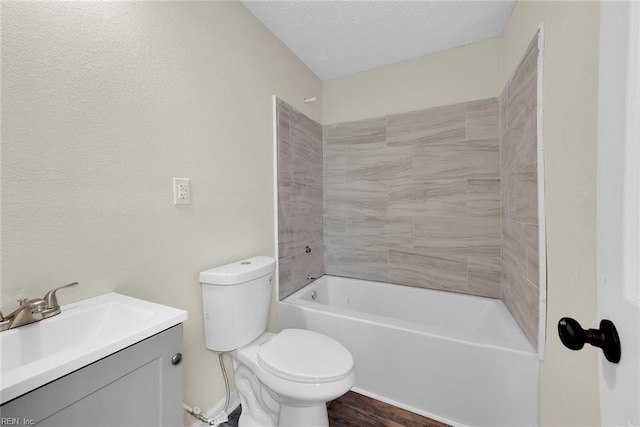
(360, 263)
(522, 189)
(483, 197)
(335, 176)
(428, 269)
(306, 231)
(335, 158)
(285, 159)
(334, 165)
(361, 198)
(285, 237)
(519, 195)
(307, 171)
(502, 107)
(378, 163)
(520, 142)
(304, 132)
(382, 232)
(484, 276)
(514, 244)
(417, 186)
(306, 199)
(522, 94)
(469, 236)
(304, 265)
(491, 144)
(300, 198)
(282, 112)
(429, 198)
(284, 198)
(284, 278)
(358, 132)
(482, 119)
(335, 231)
(521, 298)
(431, 126)
(448, 161)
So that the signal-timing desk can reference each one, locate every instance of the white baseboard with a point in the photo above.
(234, 401)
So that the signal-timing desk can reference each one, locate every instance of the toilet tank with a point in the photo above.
(236, 299)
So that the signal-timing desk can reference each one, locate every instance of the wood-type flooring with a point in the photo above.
(355, 410)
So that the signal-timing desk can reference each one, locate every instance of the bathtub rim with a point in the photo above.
(295, 299)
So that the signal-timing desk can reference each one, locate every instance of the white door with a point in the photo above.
(618, 212)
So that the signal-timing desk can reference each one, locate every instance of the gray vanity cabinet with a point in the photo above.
(136, 386)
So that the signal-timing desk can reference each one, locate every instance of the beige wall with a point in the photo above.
(569, 395)
(103, 103)
(456, 75)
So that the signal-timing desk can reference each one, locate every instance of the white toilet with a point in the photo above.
(283, 379)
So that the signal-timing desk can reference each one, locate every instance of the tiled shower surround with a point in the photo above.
(519, 198)
(414, 198)
(443, 198)
(300, 199)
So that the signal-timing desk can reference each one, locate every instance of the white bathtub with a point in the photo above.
(459, 359)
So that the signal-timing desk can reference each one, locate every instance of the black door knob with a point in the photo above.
(574, 337)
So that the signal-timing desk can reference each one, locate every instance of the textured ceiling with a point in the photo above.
(337, 38)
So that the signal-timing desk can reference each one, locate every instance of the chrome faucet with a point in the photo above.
(33, 310)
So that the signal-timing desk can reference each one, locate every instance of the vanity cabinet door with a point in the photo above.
(137, 386)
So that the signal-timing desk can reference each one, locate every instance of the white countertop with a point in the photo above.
(85, 331)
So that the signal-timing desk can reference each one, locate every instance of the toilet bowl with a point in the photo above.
(283, 379)
(300, 370)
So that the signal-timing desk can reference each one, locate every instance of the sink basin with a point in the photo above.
(85, 331)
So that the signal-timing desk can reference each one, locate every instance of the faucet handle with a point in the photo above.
(32, 304)
(51, 300)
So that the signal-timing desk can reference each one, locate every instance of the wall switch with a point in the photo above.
(181, 191)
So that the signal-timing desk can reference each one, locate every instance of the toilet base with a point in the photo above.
(315, 416)
(309, 416)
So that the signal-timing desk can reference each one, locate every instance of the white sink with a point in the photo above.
(85, 331)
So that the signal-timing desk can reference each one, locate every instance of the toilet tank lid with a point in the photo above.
(239, 271)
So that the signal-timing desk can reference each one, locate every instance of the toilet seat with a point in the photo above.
(305, 357)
